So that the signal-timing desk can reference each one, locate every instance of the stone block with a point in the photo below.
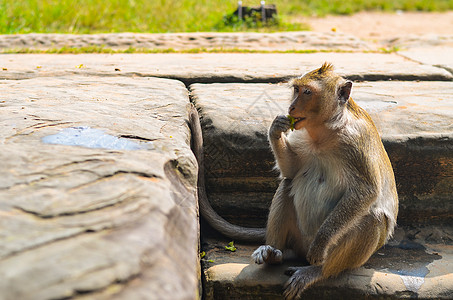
(436, 56)
(98, 190)
(414, 119)
(414, 264)
(264, 41)
(221, 67)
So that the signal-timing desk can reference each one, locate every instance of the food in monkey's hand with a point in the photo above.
(292, 120)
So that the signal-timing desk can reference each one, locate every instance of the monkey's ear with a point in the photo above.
(344, 91)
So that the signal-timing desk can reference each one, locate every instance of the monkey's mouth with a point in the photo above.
(298, 119)
(296, 125)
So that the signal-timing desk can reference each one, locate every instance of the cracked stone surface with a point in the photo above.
(90, 222)
(414, 118)
(220, 67)
(435, 56)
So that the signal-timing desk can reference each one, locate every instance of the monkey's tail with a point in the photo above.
(217, 222)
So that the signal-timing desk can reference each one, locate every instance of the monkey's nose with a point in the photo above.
(290, 109)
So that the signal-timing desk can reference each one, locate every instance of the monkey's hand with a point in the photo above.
(279, 125)
(267, 254)
(315, 255)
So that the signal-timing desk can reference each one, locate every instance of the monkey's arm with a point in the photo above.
(353, 205)
(284, 156)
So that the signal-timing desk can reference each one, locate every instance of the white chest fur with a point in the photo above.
(317, 186)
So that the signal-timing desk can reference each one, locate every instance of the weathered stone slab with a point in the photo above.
(296, 40)
(221, 67)
(420, 41)
(91, 222)
(414, 118)
(436, 56)
(417, 263)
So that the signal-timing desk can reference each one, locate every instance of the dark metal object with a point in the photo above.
(266, 12)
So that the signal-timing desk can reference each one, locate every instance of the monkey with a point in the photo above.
(323, 230)
(209, 214)
(337, 201)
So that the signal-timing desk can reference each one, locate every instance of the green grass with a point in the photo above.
(99, 49)
(95, 16)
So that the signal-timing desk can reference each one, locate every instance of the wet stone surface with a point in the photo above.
(92, 138)
(97, 197)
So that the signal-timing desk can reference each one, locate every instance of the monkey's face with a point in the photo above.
(306, 103)
(317, 97)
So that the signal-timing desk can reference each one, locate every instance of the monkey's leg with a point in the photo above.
(281, 227)
(351, 251)
(356, 246)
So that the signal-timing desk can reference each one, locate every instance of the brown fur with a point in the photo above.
(337, 203)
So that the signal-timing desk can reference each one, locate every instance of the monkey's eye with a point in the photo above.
(296, 90)
(307, 92)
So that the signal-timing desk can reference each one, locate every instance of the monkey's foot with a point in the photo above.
(267, 254)
(301, 278)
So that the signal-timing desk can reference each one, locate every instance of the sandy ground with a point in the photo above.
(379, 26)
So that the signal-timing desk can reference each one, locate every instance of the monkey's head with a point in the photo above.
(318, 96)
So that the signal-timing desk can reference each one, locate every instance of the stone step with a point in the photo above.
(414, 118)
(296, 40)
(97, 198)
(97, 190)
(416, 263)
(220, 67)
(434, 56)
